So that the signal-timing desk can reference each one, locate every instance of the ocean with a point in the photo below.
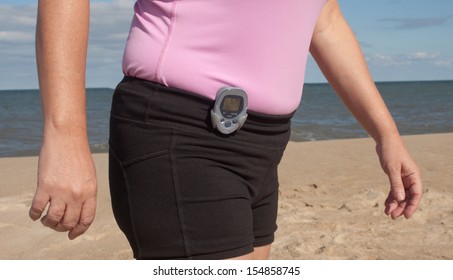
(418, 107)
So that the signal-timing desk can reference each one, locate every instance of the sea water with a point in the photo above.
(418, 107)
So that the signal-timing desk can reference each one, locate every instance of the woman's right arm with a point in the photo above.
(66, 172)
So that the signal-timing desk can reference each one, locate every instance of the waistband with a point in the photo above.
(150, 102)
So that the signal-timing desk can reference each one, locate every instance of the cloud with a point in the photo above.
(416, 23)
(17, 53)
(16, 36)
(123, 3)
(109, 26)
(417, 58)
(424, 56)
(17, 24)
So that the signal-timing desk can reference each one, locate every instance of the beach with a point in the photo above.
(331, 207)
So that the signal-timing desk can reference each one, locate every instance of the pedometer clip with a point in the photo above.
(230, 109)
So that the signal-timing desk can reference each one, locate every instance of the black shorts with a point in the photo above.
(180, 189)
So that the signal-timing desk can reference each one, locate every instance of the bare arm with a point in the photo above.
(66, 173)
(340, 58)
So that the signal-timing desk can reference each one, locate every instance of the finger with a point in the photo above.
(391, 207)
(410, 209)
(87, 215)
(70, 219)
(54, 214)
(414, 197)
(390, 204)
(412, 204)
(40, 201)
(398, 212)
(396, 185)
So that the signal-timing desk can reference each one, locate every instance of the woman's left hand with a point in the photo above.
(405, 179)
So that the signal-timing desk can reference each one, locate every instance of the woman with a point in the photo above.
(181, 188)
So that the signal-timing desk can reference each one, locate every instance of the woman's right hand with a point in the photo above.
(67, 184)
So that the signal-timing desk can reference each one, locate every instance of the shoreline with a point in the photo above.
(96, 150)
(331, 207)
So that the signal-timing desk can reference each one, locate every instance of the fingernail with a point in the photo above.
(400, 196)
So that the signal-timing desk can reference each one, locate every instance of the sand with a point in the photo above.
(331, 207)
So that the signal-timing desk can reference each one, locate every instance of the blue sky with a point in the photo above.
(401, 40)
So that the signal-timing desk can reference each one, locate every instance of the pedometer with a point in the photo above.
(230, 109)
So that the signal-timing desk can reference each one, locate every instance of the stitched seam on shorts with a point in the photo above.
(144, 157)
(178, 195)
(134, 231)
(265, 178)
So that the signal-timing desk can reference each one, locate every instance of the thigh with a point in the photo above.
(259, 253)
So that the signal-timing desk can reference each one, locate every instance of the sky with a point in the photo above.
(401, 39)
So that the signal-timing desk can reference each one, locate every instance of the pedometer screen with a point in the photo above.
(231, 105)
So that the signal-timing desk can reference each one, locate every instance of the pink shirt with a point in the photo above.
(203, 45)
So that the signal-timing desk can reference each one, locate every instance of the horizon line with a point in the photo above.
(306, 83)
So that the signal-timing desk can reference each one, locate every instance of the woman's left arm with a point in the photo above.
(338, 54)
